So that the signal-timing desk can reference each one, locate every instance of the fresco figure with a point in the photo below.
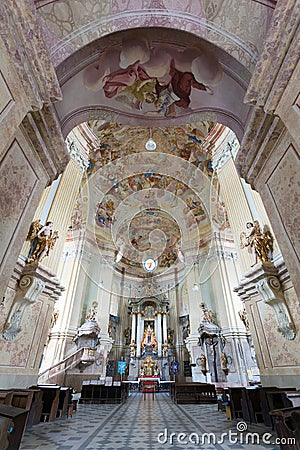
(182, 83)
(119, 80)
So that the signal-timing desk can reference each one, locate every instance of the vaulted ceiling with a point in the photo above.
(173, 72)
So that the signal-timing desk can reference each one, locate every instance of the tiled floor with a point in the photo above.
(146, 424)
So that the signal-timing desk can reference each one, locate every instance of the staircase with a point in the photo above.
(56, 373)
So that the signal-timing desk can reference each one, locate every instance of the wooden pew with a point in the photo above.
(251, 405)
(6, 426)
(235, 401)
(22, 399)
(28, 399)
(65, 394)
(287, 424)
(194, 393)
(35, 412)
(50, 401)
(6, 397)
(18, 417)
(99, 393)
(273, 398)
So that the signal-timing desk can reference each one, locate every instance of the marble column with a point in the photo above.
(133, 327)
(103, 312)
(138, 335)
(74, 266)
(165, 328)
(237, 206)
(103, 299)
(61, 210)
(159, 334)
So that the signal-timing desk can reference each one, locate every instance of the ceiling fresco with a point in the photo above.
(162, 205)
(116, 141)
(154, 79)
(145, 72)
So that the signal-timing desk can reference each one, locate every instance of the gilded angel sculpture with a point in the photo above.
(42, 240)
(260, 243)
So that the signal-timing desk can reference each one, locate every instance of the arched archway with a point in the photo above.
(200, 79)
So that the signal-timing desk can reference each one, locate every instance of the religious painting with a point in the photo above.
(153, 79)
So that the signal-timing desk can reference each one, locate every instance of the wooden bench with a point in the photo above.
(273, 398)
(287, 424)
(6, 397)
(235, 401)
(194, 393)
(251, 405)
(28, 399)
(99, 393)
(50, 401)
(18, 417)
(65, 395)
(6, 426)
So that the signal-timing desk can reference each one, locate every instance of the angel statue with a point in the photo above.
(259, 243)
(42, 240)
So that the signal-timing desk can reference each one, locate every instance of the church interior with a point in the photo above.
(149, 223)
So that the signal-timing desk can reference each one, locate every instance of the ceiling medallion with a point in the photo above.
(150, 265)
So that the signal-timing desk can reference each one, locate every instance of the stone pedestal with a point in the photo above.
(274, 317)
(25, 321)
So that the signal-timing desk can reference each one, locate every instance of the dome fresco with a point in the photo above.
(161, 205)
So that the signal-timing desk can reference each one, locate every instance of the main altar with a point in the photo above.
(150, 345)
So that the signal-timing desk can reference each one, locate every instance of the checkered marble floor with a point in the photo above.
(146, 424)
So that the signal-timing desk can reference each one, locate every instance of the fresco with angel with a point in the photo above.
(154, 79)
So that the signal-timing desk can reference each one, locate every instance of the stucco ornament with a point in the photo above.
(29, 290)
(272, 294)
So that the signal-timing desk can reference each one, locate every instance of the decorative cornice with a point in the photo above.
(227, 150)
(77, 154)
(278, 58)
(43, 130)
(260, 138)
(24, 41)
(264, 281)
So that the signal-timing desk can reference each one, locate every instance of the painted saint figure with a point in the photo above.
(149, 340)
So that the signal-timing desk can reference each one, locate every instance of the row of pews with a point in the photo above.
(184, 393)
(101, 393)
(23, 408)
(274, 407)
(278, 408)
